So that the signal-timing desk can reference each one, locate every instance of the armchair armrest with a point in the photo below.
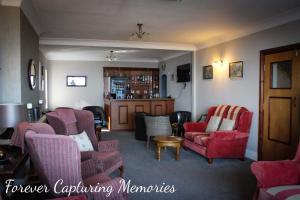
(88, 168)
(275, 173)
(109, 145)
(195, 126)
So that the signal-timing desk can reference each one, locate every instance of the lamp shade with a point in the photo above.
(11, 115)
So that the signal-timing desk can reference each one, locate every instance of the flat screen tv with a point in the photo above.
(184, 73)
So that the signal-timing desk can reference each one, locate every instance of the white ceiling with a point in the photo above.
(199, 23)
(188, 21)
(55, 52)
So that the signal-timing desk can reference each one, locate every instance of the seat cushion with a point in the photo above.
(105, 160)
(192, 135)
(201, 139)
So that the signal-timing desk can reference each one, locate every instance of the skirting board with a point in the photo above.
(251, 154)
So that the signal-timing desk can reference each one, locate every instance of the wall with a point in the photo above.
(77, 97)
(245, 92)
(18, 43)
(29, 50)
(182, 96)
(10, 75)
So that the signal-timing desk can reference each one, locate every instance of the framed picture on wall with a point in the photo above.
(208, 72)
(236, 69)
(76, 81)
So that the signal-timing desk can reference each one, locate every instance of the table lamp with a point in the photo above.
(10, 116)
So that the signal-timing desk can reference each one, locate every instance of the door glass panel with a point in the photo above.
(281, 74)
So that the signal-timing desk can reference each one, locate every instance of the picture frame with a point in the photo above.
(236, 70)
(208, 72)
(76, 81)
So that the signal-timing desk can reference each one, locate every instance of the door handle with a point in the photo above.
(295, 103)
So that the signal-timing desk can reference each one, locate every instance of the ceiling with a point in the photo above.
(198, 23)
(186, 21)
(55, 52)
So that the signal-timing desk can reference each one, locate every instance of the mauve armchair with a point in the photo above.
(277, 180)
(68, 121)
(220, 144)
(57, 158)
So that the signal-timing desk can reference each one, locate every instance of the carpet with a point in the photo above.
(192, 177)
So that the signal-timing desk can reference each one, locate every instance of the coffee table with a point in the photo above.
(168, 141)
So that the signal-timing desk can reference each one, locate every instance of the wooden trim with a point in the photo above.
(119, 114)
(290, 133)
(139, 106)
(263, 53)
(271, 77)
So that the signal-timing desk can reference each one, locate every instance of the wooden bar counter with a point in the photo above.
(120, 112)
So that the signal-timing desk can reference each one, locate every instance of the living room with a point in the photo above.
(87, 39)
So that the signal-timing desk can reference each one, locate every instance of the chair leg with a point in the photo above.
(210, 160)
(121, 171)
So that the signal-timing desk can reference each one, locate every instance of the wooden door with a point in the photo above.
(281, 90)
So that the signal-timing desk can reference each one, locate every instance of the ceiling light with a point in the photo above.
(111, 56)
(140, 34)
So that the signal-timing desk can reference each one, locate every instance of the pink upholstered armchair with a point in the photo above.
(277, 180)
(56, 159)
(220, 144)
(67, 121)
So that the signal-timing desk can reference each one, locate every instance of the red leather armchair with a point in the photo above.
(68, 121)
(277, 179)
(219, 144)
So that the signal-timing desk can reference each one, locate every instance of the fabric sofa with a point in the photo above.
(277, 180)
(220, 144)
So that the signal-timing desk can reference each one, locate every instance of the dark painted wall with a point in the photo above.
(29, 50)
(10, 74)
(18, 44)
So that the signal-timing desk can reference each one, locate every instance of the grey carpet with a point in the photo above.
(192, 176)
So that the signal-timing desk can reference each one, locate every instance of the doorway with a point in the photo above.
(164, 86)
(279, 103)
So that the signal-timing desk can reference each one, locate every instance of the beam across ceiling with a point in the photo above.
(117, 43)
(14, 3)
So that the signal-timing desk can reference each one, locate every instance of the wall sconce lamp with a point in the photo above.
(218, 63)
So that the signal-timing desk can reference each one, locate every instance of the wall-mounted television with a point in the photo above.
(184, 73)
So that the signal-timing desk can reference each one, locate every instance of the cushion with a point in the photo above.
(290, 194)
(234, 113)
(83, 141)
(221, 110)
(201, 139)
(280, 190)
(213, 124)
(227, 125)
(192, 135)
